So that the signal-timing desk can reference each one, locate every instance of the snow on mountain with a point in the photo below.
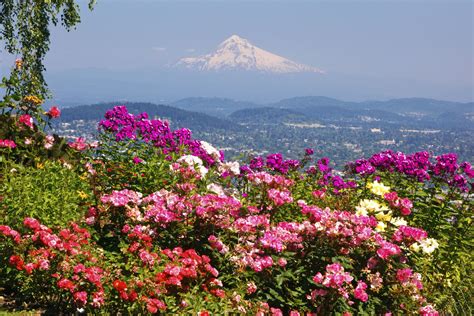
(237, 53)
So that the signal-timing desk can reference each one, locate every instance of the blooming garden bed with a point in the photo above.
(154, 221)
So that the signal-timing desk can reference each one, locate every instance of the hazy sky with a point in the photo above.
(422, 42)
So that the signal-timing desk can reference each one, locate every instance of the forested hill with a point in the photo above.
(177, 117)
(423, 111)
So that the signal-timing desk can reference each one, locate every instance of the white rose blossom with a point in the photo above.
(210, 150)
(192, 161)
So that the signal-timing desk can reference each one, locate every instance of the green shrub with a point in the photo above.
(50, 192)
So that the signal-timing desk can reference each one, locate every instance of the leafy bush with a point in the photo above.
(50, 191)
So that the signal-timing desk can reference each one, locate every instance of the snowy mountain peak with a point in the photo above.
(237, 53)
(235, 39)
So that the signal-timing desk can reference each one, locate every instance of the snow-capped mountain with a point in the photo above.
(237, 53)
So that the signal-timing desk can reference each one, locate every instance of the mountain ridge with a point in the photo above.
(178, 118)
(403, 106)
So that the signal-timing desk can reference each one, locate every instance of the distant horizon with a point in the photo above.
(51, 102)
(369, 50)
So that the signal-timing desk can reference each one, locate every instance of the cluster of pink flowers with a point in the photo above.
(26, 120)
(409, 234)
(282, 237)
(407, 278)
(280, 197)
(218, 210)
(80, 144)
(273, 181)
(387, 249)
(350, 230)
(217, 244)
(334, 278)
(255, 260)
(7, 143)
(252, 223)
(7, 231)
(428, 310)
(122, 198)
(360, 291)
(404, 205)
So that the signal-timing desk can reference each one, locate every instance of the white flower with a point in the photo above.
(398, 221)
(369, 206)
(48, 141)
(191, 160)
(232, 166)
(429, 245)
(210, 150)
(415, 247)
(216, 188)
(380, 227)
(361, 211)
(194, 161)
(203, 171)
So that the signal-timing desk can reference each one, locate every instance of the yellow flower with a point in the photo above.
(384, 217)
(369, 206)
(380, 227)
(32, 99)
(378, 188)
(82, 194)
(39, 165)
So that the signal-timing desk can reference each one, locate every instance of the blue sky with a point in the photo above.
(424, 45)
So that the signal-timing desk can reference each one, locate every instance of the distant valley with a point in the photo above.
(339, 129)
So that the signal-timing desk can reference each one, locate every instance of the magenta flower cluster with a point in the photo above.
(418, 165)
(127, 126)
(274, 162)
(329, 177)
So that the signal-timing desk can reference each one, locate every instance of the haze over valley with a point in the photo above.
(338, 129)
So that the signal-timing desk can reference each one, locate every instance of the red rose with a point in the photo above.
(119, 285)
(54, 112)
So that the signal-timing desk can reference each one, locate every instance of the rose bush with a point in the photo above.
(171, 227)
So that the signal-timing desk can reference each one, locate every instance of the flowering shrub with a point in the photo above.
(171, 227)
